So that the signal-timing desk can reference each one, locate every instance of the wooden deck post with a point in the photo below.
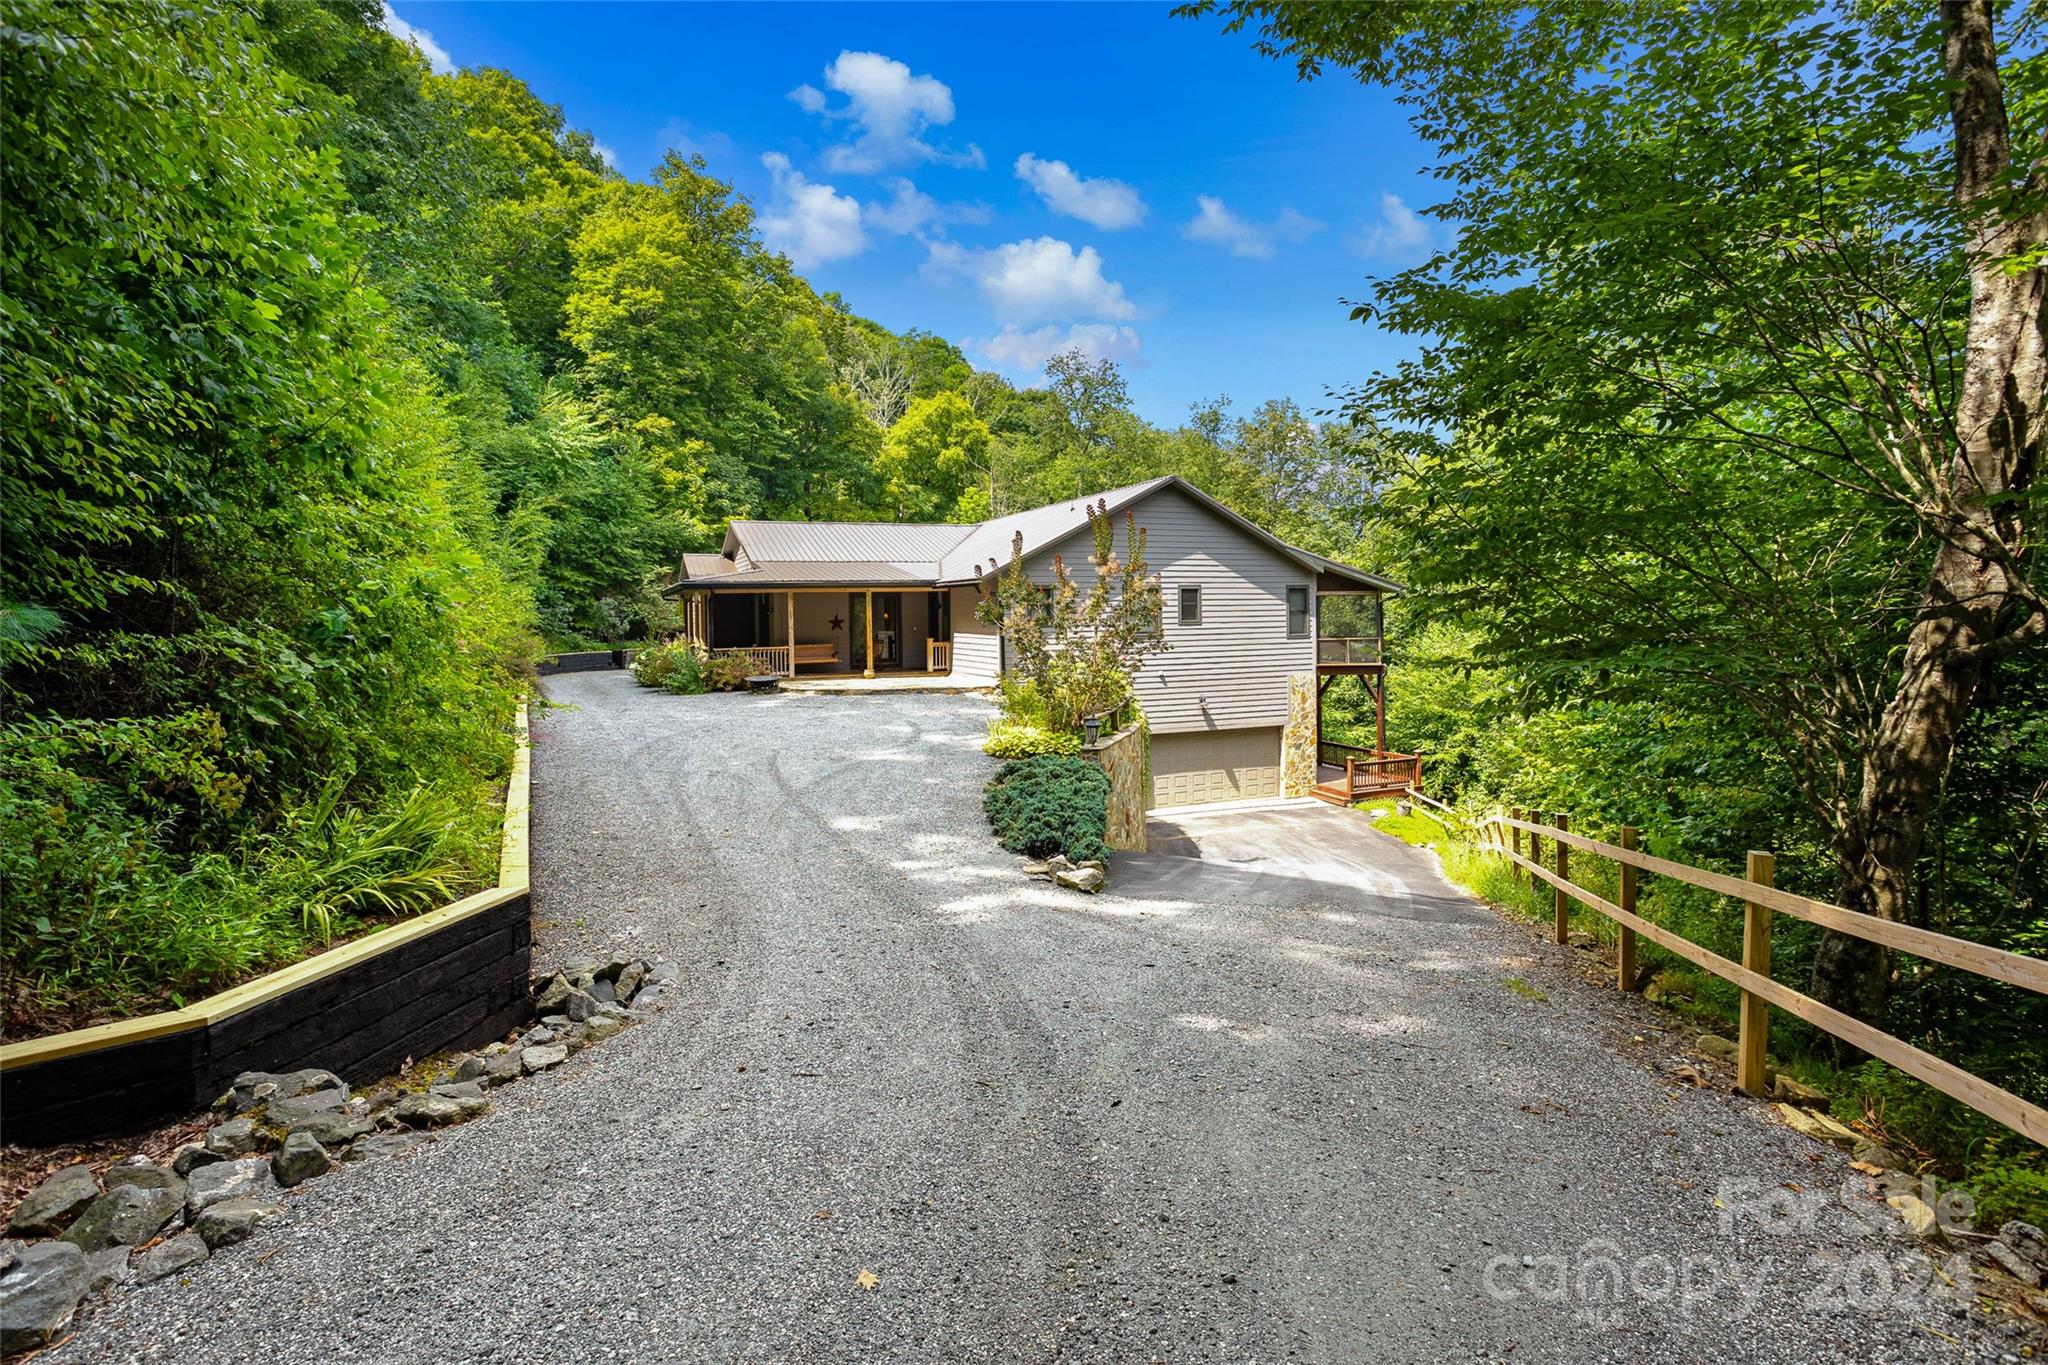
(1350, 776)
(1753, 1041)
(790, 672)
(1625, 952)
(870, 615)
(1562, 903)
(1380, 705)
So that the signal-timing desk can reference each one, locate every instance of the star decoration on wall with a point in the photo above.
(838, 623)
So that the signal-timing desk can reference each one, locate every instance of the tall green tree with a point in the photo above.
(1734, 370)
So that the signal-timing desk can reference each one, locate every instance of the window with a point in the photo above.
(1297, 613)
(1191, 606)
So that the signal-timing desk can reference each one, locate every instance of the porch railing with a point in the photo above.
(1367, 773)
(761, 658)
(1348, 649)
(938, 656)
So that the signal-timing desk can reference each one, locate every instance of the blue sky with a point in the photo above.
(1015, 178)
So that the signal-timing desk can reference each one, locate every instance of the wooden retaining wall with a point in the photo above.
(452, 978)
(585, 661)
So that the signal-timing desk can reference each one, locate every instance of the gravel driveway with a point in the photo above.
(1053, 1127)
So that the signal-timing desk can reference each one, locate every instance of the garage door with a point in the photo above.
(1220, 765)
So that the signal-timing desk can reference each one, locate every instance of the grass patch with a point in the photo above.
(1524, 989)
(1418, 829)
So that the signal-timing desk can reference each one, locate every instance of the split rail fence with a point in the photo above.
(1503, 832)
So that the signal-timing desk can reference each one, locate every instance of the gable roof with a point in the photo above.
(783, 554)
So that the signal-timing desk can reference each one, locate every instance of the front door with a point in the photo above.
(888, 630)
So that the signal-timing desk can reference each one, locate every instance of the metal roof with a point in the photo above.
(873, 542)
(808, 573)
(1042, 526)
(707, 566)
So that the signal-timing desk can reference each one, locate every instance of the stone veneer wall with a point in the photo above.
(1122, 757)
(1298, 740)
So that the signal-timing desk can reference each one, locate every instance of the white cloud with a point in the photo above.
(605, 154)
(811, 224)
(892, 110)
(1108, 204)
(1038, 280)
(687, 140)
(913, 212)
(1399, 231)
(1218, 226)
(436, 55)
(1026, 352)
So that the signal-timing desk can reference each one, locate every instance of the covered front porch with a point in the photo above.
(861, 630)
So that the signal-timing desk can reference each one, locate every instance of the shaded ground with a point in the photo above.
(1157, 1126)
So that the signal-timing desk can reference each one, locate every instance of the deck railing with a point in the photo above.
(1502, 833)
(1367, 773)
(938, 656)
(1348, 649)
(761, 658)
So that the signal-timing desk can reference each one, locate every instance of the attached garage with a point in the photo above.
(1215, 765)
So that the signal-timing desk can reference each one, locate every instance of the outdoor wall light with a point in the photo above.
(1093, 725)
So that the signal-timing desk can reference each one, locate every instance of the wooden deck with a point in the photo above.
(1345, 773)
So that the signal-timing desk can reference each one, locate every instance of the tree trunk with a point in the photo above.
(1970, 592)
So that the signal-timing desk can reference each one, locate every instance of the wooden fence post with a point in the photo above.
(1562, 902)
(1515, 841)
(1535, 844)
(1625, 954)
(1753, 1041)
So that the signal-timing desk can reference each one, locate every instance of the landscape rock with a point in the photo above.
(602, 1027)
(49, 1208)
(1036, 867)
(106, 1269)
(125, 1216)
(579, 1006)
(603, 992)
(551, 996)
(504, 1068)
(628, 981)
(39, 1293)
(386, 1144)
(1797, 1092)
(1714, 1045)
(332, 1131)
(544, 1058)
(1817, 1124)
(230, 1180)
(170, 1256)
(1877, 1154)
(193, 1155)
(1098, 864)
(459, 1090)
(288, 1112)
(2014, 1264)
(614, 969)
(148, 1177)
(1086, 879)
(236, 1137)
(581, 974)
(537, 1037)
(232, 1221)
(1917, 1214)
(253, 1088)
(434, 1111)
(473, 1068)
(2028, 1240)
(299, 1160)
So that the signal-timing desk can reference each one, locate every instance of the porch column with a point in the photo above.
(792, 635)
(1379, 696)
(870, 614)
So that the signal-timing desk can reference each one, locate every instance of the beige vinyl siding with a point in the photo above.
(1189, 769)
(977, 649)
(1230, 672)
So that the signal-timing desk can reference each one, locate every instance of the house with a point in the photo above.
(1255, 628)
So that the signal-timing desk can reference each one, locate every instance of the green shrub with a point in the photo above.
(675, 667)
(1022, 739)
(727, 673)
(1049, 804)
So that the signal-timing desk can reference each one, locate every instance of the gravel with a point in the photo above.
(1051, 1126)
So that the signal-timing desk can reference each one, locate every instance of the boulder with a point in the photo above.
(39, 1293)
(549, 998)
(603, 992)
(458, 1090)
(299, 1160)
(581, 974)
(106, 1269)
(2027, 1240)
(503, 1068)
(473, 1068)
(544, 1058)
(579, 1006)
(1036, 867)
(1086, 879)
(253, 1088)
(1877, 1154)
(614, 969)
(193, 1155)
(602, 1027)
(2014, 1264)
(1817, 1124)
(628, 981)
(125, 1216)
(248, 1178)
(147, 1177)
(1797, 1092)
(49, 1208)
(170, 1256)
(332, 1131)
(289, 1111)
(537, 1037)
(386, 1144)
(434, 1111)
(236, 1137)
(1917, 1214)
(1098, 864)
(232, 1221)
(1714, 1045)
